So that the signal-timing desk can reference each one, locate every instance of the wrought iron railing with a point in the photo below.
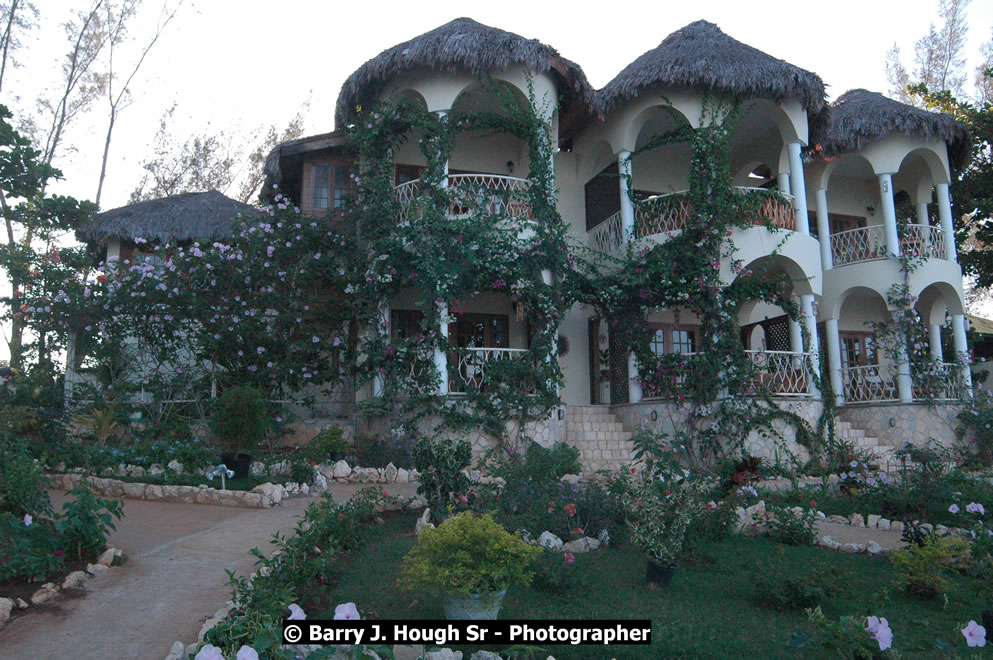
(475, 193)
(467, 367)
(868, 383)
(782, 373)
(858, 245)
(923, 241)
(608, 236)
(661, 214)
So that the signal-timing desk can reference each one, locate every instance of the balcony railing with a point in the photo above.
(869, 244)
(475, 193)
(662, 214)
(782, 373)
(468, 366)
(868, 383)
(608, 236)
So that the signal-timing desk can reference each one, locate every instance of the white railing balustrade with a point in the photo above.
(468, 366)
(857, 245)
(475, 193)
(868, 383)
(608, 236)
(923, 241)
(782, 373)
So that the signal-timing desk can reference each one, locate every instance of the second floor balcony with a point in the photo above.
(469, 194)
(869, 244)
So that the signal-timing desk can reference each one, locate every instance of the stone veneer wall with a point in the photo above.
(773, 446)
(895, 424)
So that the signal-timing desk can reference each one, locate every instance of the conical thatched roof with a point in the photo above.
(700, 55)
(464, 44)
(207, 215)
(859, 117)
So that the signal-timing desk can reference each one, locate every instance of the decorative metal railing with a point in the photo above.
(923, 241)
(475, 193)
(868, 383)
(608, 236)
(941, 381)
(858, 245)
(661, 214)
(467, 367)
(782, 373)
(776, 208)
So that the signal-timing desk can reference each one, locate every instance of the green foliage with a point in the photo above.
(921, 567)
(975, 426)
(440, 463)
(22, 483)
(790, 527)
(86, 520)
(845, 638)
(328, 445)
(554, 573)
(658, 517)
(779, 588)
(239, 418)
(30, 552)
(380, 452)
(468, 554)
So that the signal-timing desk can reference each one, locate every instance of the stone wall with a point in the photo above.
(775, 445)
(895, 424)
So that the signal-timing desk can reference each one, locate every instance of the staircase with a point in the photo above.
(846, 432)
(602, 442)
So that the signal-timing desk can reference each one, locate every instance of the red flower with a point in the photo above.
(570, 508)
(385, 494)
(341, 516)
(578, 531)
(59, 553)
(813, 504)
(632, 470)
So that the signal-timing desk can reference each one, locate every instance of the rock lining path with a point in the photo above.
(173, 580)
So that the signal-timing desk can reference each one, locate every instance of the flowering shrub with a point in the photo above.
(792, 527)
(440, 463)
(556, 572)
(658, 517)
(920, 567)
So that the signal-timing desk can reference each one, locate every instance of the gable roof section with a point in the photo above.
(184, 217)
(464, 44)
(701, 55)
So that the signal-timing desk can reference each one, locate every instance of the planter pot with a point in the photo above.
(659, 575)
(479, 607)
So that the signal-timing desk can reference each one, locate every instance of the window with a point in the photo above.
(406, 173)
(330, 187)
(857, 350)
(669, 339)
(480, 331)
(405, 323)
(320, 198)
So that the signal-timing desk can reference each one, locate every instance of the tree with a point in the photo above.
(200, 163)
(30, 216)
(120, 98)
(938, 60)
(252, 183)
(15, 16)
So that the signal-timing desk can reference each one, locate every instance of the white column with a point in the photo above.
(904, 383)
(934, 338)
(962, 350)
(383, 329)
(824, 229)
(799, 189)
(834, 359)
(783, 182)
(889, 214)
(796, 336)
(810, 324)
(945, 215)
(627, 206)
(922, 218)
(440, 356)
(634, 380)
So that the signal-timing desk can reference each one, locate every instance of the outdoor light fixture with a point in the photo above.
(655, 415)
(561, 414)
(892, 421)
(510, 167)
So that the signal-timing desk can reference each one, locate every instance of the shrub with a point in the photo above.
(556, 572)
(791, 527)
(379, 452)
(239, 418)
(328, 445)
(560, 460)
(780, 589)
(85, 521)
(920, 568)
(22, 483)
(468, 554)
(658, 517)
(301, 471)
(30, 551)
(441, 463)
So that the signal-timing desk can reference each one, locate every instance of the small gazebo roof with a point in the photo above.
(463, 44)
(173, 219)
(859, 117)
(701, 55)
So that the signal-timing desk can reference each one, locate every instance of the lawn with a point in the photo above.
(709, 610)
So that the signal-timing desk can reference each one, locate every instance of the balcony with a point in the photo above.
(869, 244)
(471, 194)
(868, 383)
(665, 214)
(780, 373)
(468, 367)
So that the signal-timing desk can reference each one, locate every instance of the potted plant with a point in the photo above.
(658, 517)
(238, 420)
(472, 560)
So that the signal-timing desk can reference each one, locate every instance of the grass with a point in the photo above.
(709, 610)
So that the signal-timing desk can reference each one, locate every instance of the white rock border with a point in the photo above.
(49, 590)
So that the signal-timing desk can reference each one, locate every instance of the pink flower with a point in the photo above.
(880, 630)
(27, 519)
(209, 652)
(975, 507)
(975, 634)
(296, 613)
(247, 653)
(953, 508)
(569, 557)
(346, 612)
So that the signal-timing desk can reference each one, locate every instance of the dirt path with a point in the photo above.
(886, 539)
(173, 580)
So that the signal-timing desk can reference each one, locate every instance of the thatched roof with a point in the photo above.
(700, 55)
(207, 215)
(859, 117)
(464, 45)
(276, 160)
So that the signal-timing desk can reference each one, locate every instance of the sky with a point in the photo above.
(242, 65)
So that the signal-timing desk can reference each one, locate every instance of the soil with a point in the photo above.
(23, 589)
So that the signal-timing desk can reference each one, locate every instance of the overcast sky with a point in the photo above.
(240, 65)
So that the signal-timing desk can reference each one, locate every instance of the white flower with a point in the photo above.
(247, 653)
(28, 519)
(347, 612)
(209, 652)
(296, 613)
